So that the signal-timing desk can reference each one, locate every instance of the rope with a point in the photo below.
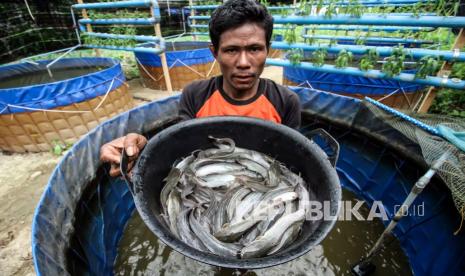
(405, 96)
(172, 65)
(462, 213)
(388, 95)
(307, 83)
(211, 68)
(63, 111)
(147, 72)
(6, 107)
(29, 10)
(192, 69)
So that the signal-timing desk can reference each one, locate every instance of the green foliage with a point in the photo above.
(121, 13)
(360, 40)
(369, 60)
(295, 56)
(305, 8)
(284, 12)
(458, 70)
(58, 147)
(428, 66)
(331, 10)
(394, 64)
(122, 30)
(319, 56)
(290, 35)
(264, 3)
(343, 59)
(449, 102)
(355, 9)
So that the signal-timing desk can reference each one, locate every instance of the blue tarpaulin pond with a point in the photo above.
(82, 213)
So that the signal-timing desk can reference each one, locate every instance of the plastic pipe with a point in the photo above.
(403, 116)
(120, 4)
(342, 3)
(45, 54)
(431, 81)
(388, 29)
(75, 26)
(378, 20)
(199, 33)
(117, 36)
(369, 39)
(122, 21)
(198, 25)
(155, 51)
(416, 53)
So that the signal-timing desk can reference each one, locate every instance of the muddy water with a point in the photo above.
(140, 253)
(42, 76)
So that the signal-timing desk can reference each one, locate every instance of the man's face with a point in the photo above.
(241, 55)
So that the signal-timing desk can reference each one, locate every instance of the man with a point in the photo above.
(240, 32)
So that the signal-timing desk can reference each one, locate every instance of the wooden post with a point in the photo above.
(445, 70)
(88, 26)
(193, 21)
(164, 63)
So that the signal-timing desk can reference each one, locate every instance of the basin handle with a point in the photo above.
(329, 141)
(124, 164)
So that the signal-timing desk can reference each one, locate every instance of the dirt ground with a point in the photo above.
(22, 181)
(23, 178)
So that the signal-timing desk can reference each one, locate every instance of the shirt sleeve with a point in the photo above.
(292, 111)
(187, 104)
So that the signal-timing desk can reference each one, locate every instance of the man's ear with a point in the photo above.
(212, 49)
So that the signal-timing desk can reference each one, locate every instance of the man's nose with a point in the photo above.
(243, 60)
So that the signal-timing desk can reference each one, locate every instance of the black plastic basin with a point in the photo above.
(285, 144)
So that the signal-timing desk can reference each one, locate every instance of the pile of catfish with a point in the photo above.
(234, 202)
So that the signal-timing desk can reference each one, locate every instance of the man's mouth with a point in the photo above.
(244, 78)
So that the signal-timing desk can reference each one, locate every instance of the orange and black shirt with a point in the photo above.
(272, 102)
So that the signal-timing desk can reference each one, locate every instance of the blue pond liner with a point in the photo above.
(82, 213)
(59, 93)
(197, 53)
(347, 84)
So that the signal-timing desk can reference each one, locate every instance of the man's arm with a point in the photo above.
(187, 104)
(293, 110)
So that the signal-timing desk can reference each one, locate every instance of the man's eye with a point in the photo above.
(230, 50)
(255, 49)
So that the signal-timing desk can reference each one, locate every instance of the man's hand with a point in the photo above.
(111, 152)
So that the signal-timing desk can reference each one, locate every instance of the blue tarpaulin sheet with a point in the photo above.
(346, 84)
(60, 93)
(198, 53)
(372, 170)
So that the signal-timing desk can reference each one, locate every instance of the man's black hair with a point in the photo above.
(235, 13)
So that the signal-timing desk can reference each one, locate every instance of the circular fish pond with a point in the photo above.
(187, 61)
(85, 223)
(40, 108)
(397, 94)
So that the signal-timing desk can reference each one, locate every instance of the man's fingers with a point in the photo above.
(110, 154)
(114, 170)
(134, 143)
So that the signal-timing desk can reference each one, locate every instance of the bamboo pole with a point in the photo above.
(88, 26)
(164, 63)
(192, 13)
(445, 70)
